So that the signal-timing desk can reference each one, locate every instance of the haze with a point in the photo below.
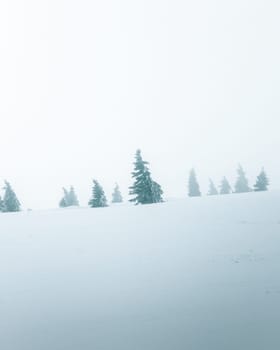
(85, 83)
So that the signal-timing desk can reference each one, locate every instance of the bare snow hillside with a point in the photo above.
(194, 274)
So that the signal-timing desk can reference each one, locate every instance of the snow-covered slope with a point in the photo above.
(194, 274)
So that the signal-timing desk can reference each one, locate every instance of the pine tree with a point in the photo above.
(262, 182)
(157, 192)
(72, 197)
(194, 190)
(225, 187)
(11, 202)
(145, 190)
(212, 189)
(98, 199)
(69, 199)
(241, 184)
(64, 201)
(116, 195)
(2, 206)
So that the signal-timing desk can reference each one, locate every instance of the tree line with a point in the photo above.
(147, 191)
(241, 184)
(144, 190)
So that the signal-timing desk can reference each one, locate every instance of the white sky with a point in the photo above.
(85, 83)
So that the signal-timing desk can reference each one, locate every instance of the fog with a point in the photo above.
(84, 84)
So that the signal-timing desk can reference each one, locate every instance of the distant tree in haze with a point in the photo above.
(98, 198)
(212, 189)
(241, 184)
(10, 200)
(144, 189)
(2, 207)
(194, 190)
(64, 200)
(69, 199)
(116, 195)
(225, 187)
(72, 197)
(262, 182)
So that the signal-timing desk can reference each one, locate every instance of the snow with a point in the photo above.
(192, 274)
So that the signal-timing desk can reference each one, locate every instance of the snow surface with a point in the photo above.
(193, 274)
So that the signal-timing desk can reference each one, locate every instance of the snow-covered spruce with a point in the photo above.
(10, 202)
(116, 195)
(194, 190)
(241, 184)
(262, 182)
(212, 189)
(145, 190)
(69, 199)
(225, 187)
(98, 199)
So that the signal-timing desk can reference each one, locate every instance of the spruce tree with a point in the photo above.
(69, 199)
(262, 182)
(241, 184)
(98, 199)
(64, 201)
(144, 189)
(212, 189)
(157, 192)
(2, 207)
(10, 200)
(72, 197)
(194, 190)
(225, 187)
(116, 195)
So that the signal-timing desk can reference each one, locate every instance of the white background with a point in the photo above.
(85, 83)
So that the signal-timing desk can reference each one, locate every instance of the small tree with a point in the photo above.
(241, 184)
(2, 206)
(194, 190)
(262, 182)
(212, 189)
(225, 187)
(69, 199)
(72, 197)
(144, 189)
(116, 195)
(10, 200)
(64, 201)
(98, 199)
